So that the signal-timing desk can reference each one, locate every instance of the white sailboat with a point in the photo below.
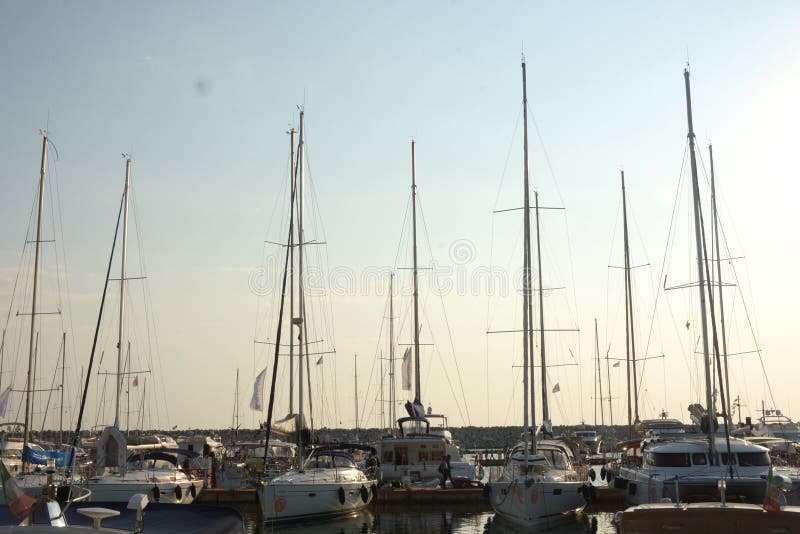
(539, 484)
(327, 482)
(701, 466)
(123, 466)
(413, 454)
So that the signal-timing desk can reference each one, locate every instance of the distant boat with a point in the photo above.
(327, 482)
(539, 484)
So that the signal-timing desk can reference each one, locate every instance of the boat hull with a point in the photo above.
(536, 503)
(292, 502)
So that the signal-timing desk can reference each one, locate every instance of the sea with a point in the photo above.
(466, 519)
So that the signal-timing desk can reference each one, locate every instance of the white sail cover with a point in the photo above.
(257, 402)
(405, 369)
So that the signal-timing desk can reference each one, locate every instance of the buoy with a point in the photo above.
(178, 493)
(156, 493)
(602, 473)
(592, 475)
(364, 494)
(193, 491)
(341, 495)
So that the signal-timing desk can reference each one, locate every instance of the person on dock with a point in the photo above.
(444, 469)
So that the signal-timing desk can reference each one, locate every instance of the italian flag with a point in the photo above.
(19, 502)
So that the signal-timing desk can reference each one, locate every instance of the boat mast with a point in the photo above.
(700, 274)
(355, 372)
(291, 275)
(61, 411)
(301, 300)
(417, 388)
(599, 378)
(608, 382)
(31, 348)
(125, 195)
(715, 239)
(545, 409)
(527, 335)
(392, 414)
(235, 421)
(630, 344)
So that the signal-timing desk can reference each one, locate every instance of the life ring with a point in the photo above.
(192, 491)
(156, 492)
(364, 494)
(341, 495)
(178, 493)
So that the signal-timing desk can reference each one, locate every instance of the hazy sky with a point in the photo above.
(201, 94)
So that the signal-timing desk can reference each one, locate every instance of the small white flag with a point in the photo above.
(4, 401)
(556, 388)
(405, 369)
(257, 402)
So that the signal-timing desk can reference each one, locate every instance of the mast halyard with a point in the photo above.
(121, 332)
(700, 271)
(417, 387)
(32, 346)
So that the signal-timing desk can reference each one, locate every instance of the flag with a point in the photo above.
(556, 388)
(771, 503)
(257, 402)
(405, 369)
(19, 502)
(615, 365)
(136, 381)
(319, 361)
(4, 401)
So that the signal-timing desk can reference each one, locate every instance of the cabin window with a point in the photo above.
(401, 455)
(723, 459)
(671, 459)
(753, 459)
(699, 458)
(437, 455)
(388, 456)
(422, 454)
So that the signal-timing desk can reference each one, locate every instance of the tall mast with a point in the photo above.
(355, 372)
(125, 195)
(235, 422)
(527, 355)
(700, 274)
(61, 411)
(32, 345)
(417, 388)
(301, 317)
(545, 409)
(599, 377)
(608, 383)
(630, 340)
(391, 351)
(291, 275)
(715, 239)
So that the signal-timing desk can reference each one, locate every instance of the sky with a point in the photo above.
(201, 95)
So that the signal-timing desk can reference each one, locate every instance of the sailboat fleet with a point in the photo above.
(542, 481)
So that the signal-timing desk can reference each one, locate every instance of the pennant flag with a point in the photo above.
(257, 402)
(319, 361)
(405, 369)
(771, 503)
(615, 365)
(4, 397)
(556, 388)
(19, 502)
(136, 381)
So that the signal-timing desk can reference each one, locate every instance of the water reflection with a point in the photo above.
(461, 519)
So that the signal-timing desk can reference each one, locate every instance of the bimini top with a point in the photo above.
(329, 459)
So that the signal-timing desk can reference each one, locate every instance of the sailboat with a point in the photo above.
(327, 481)
(413, 454)
(539, 485)
(126, 465)
(677, 465)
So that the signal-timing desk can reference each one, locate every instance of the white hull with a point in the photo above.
(313, 494)
(171, 489)
(528, 502)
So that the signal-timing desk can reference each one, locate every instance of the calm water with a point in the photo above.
(429, 519)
